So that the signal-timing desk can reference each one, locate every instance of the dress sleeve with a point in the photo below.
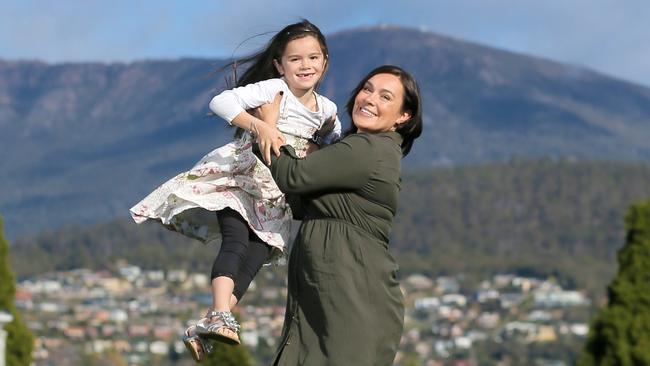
(232, 102)
(346, 165)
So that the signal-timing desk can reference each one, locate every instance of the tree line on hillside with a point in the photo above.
(547, 217)
(544, 217)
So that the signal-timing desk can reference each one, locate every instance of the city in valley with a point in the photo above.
(141, 314)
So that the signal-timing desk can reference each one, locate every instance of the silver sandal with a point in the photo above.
(197, 347)
(213, 324)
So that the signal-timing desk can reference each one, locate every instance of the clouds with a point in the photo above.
(609, 36)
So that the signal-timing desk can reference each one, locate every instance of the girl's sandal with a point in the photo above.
(197, 347)
(220, 326)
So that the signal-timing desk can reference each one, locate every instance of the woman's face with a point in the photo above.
(378, 105)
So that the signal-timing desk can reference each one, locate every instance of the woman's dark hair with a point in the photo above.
(410, 129)
(261, 63)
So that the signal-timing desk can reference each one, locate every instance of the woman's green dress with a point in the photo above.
(344, 305)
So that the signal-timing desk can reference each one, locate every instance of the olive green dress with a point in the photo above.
(344, 305)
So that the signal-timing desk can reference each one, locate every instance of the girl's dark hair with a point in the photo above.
(261, 63)
(410, 129)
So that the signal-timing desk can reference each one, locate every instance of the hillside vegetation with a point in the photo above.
(543, 217)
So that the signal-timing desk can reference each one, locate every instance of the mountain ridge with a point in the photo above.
(87, 140)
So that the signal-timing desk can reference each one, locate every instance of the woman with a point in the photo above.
(344, 304)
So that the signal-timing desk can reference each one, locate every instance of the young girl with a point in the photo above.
(252, 220)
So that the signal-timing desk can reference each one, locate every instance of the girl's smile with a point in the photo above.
(302, 64)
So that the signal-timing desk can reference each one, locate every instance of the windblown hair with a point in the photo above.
(261, 63)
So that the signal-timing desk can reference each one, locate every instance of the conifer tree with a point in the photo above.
(19, 339)
(620, 333)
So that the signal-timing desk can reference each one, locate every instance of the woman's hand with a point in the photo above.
(318, 139)
(311, 147)
(325, 129)
(268, 136)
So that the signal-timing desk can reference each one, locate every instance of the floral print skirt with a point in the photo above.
(229, 176)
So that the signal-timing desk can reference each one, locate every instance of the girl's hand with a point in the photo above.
(269, 137)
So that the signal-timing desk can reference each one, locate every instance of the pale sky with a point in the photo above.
(612, 37)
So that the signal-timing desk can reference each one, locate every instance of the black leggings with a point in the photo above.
(242, 253)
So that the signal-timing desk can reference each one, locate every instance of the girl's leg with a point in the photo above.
(240, 257)
(233, 252)
(219, 323)
(258, 253)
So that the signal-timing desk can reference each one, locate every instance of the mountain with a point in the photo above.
(487, 104)
(84, 141)
(545, 217)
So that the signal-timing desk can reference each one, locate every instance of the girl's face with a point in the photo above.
(302, 64)
(378, 105)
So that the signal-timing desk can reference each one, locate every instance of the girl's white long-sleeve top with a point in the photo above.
(295, 119)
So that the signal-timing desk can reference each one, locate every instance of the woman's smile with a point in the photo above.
(378, 105)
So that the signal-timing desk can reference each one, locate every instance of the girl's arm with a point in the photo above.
(232, 104)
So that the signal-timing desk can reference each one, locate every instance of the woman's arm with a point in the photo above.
(346, 165)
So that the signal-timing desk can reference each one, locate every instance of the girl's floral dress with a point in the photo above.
(229, 176)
